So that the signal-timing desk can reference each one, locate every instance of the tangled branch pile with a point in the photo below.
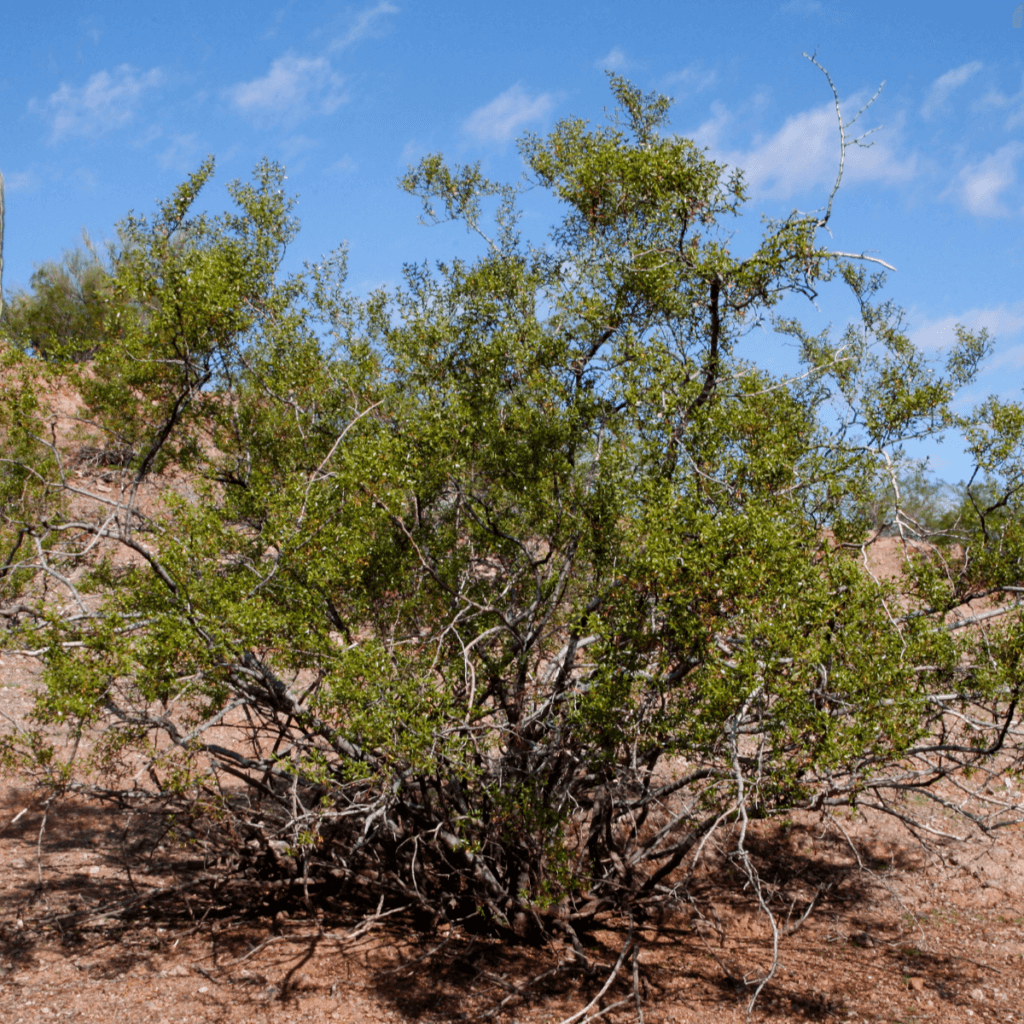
(498, 595)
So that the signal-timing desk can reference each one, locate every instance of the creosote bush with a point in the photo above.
(515, 584)
(63, 316)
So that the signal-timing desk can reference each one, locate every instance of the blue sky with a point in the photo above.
(107, 106)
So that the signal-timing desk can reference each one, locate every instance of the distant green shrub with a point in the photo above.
(63, 313)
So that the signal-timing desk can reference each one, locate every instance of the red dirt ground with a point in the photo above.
(909, 935)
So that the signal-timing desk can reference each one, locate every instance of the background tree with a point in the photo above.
(517, 579)
(63, 314)
(911, 502)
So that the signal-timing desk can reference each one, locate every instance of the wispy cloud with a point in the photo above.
(614, 60)
(1010, 358)
(91, 29)
(412, 151)
(947, 83)
(979, 186)
(298, 86)
(181, 153)
(505, 115)
(1001, 322)
(108, 100)
(1014, 104)
(346, 165)
(21, 181)
(293, 87)
(804, 154)
(86, 179)
(297, 147)
(687, 81)
(367, 23)
(277, 20)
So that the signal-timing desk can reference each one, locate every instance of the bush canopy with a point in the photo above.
(499, 593)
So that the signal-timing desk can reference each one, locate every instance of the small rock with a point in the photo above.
(916, 984)
(977, 995)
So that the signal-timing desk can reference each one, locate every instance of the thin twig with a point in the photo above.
(636, 985)
(581, 1015)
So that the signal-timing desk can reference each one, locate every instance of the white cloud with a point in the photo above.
(502, 118)
(1001, 321)
(978, 186)
(804, 154)
(945, 84)
(108, 100)
(614, 60)
(293, 87)
(710, 133)
(366, 24)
